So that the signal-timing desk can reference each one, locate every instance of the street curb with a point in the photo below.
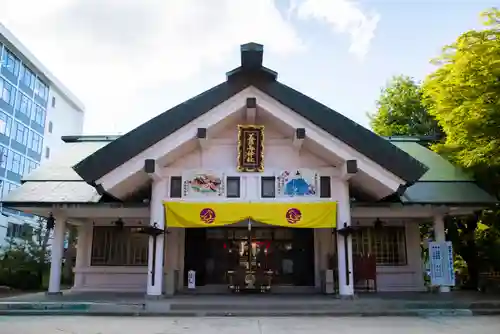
(144, 313)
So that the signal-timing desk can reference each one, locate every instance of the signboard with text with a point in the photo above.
(442, 272)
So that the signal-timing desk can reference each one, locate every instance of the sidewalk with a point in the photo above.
(108, 304)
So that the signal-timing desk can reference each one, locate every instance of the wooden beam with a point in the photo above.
(251, 110)
(201, 134)
(298, 139)
(348, 169)
(151, 168)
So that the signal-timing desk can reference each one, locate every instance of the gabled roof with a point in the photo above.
(443, 183)
(59, 168)
(250, 73)
(55, 181)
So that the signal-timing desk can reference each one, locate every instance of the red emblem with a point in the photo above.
(293, 216)
(207, 216)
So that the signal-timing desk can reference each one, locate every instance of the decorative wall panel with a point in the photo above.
(203, 184)
(297, 182)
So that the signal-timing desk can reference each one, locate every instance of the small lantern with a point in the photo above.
(346, 230)
(119, 224)
(152, 230)
(378, 224)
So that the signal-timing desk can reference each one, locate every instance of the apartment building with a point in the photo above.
(36, 109)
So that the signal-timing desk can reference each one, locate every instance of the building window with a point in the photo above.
(119, 248)
(233, 187)
(8, 187)
(268, 187)
(47, 152)
(4, 156)
(50, 126)
(41, 89)
(8, 92)
(53, 101)
(325, 187)
(11, 62)
(14, 230)
(176, 186)
(23, 104)
(21, 133)
(39, 115)
(29, 166)
(15, 163)
(387, 244)
(5, 124)
(36, 142)
(27, 77)
(19, 230)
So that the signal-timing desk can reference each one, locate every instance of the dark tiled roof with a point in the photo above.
(250, 73)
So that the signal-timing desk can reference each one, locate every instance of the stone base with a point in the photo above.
(154, 297)
(58, 293)
(348, 297)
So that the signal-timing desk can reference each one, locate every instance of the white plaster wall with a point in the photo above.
(279, 155)
(401, 278)
(104, 278)
(389, 278)
(221, 154)
(66, 120)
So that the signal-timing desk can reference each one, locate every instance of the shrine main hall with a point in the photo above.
(250, 185)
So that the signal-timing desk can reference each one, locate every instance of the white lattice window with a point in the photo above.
(112, 247)
(387, 244)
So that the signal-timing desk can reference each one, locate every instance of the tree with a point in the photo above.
(400, 111)
(25, 260)
(463, 94)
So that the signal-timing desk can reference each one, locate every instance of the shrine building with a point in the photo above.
(248, 185)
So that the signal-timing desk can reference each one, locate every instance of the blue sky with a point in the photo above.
(128, 61)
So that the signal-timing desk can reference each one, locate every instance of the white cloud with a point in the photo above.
(123, 58)
(110, 52)
(344, 16)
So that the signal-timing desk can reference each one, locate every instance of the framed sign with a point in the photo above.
(250, 148)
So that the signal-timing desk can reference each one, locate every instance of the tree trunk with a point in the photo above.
(469, 252)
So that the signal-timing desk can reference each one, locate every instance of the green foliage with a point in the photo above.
(463, 94)
(23, 261)
(463, 97)
(400, 111)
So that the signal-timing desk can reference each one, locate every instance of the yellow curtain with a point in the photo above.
(296, 215)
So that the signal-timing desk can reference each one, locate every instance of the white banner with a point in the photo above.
(441, 263)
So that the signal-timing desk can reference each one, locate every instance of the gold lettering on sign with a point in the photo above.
(250, 153)
(250, 148)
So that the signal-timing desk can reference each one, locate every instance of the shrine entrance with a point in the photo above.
(286, 253)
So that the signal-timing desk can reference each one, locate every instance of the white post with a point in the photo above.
(440, 236)
(56, 256)
(344, 216)
(158, 193)
(81, 262)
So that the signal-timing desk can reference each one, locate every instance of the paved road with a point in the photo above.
(145, 325)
